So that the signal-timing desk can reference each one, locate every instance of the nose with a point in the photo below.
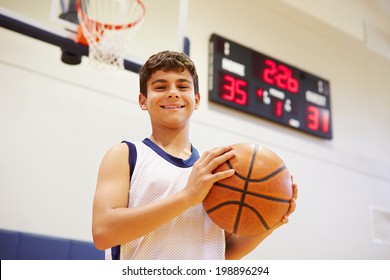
(173, 93)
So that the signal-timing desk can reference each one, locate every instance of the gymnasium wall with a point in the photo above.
(57, 121)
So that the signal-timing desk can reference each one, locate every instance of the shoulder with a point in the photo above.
(116, 157)
(118, 150)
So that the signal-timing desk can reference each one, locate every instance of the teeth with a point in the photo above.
(172, 107)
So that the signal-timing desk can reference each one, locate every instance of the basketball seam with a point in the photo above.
(238, 216)
(258, 215)
(280, 169)
(268, 197)
(261, 218)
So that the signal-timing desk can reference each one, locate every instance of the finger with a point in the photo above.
(295, 191)
(282, 222)
(217, 161)
(214, 158)
(292, 207)
(211, 154)
(222, 175)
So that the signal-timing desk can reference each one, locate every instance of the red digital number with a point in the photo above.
(234, 90)
(325, 121)
(279, 75)
(278, 108)
(269, 72)
(317, 119)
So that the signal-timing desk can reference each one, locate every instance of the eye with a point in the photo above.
(184, 87)
(160, 87)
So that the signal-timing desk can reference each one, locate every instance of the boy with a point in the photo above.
(148, 197)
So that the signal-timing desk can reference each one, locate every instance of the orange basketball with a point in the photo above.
(256, 197)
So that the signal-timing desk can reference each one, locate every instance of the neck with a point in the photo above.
(175, 144)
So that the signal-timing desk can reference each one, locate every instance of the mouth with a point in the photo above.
(172, 107)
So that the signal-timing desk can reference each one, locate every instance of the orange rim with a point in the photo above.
(86, 18)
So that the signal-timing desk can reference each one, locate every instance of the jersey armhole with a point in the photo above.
(132, 159)
(132, 156)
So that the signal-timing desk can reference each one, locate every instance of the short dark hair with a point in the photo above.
(166, 61)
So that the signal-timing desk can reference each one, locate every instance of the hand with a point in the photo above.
(202, 177)
(292, 207)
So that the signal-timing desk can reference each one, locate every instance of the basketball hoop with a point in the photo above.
(106, 27)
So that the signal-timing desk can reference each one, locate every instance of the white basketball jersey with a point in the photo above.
(192, 235)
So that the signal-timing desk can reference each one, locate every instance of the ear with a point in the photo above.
(142, 102)
(197, 101)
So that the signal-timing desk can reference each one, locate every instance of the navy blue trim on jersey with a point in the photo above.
(132, 156)
(132, 159)
(116, 252)
(184, 163)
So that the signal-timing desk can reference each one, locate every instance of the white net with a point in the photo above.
(108, 26)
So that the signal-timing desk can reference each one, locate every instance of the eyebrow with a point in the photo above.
(165, 81)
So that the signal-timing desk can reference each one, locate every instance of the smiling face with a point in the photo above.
(171, 98)
(167, 61)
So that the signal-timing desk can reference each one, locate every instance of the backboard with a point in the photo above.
(163, 27)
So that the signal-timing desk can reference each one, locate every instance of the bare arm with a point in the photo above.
(114, 223)
(239, 246)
